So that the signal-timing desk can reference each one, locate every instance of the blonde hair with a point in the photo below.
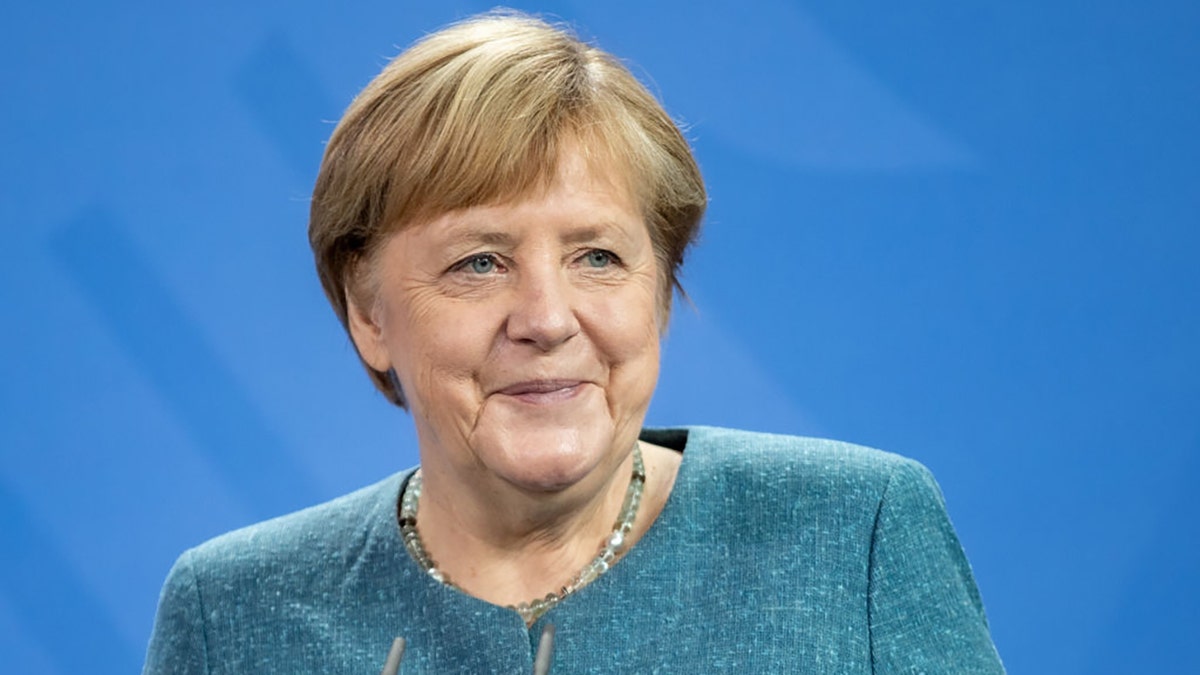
(478, 114)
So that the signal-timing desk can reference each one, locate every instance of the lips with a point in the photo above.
(542, 391)
(539, 387)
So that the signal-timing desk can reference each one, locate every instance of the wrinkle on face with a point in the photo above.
(455, 339)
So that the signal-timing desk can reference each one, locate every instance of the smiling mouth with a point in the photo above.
(542, 391)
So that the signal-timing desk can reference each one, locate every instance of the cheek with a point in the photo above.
(437, 347)
(628, 335)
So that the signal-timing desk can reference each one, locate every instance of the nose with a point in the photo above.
(542, 312)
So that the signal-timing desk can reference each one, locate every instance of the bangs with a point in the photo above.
(484, 137)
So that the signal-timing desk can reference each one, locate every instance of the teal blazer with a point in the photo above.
(774, 554)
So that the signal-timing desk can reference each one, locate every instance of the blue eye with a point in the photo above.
(598, 258)
(482, 264)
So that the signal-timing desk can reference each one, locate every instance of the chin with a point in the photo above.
(544, 459)
(545, 448)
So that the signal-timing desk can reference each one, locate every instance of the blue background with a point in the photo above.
(963, 232)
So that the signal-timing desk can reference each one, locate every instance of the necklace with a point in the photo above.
(613, 547)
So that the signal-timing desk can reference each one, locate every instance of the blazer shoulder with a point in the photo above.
(326, 531)
(756, 457)
(782, 489)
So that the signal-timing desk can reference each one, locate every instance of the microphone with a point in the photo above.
(392, 665)
(541, 661)
(545, 651)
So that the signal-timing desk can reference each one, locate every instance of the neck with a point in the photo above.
(511, 561)
(507, 546)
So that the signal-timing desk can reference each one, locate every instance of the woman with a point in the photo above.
(499, 222)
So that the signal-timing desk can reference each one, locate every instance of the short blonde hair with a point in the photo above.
(478, 114)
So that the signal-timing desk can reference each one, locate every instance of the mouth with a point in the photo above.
(542, 391)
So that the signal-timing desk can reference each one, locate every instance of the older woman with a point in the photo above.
(499, 222)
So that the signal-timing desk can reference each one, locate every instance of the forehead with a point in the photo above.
(587, 198)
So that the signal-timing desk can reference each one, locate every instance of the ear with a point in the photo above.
(367, 332)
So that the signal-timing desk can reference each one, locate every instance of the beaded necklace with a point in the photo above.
(613, 547)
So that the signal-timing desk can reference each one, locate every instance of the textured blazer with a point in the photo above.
(772, 554)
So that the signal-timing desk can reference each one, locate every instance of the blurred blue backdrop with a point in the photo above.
(962, 232)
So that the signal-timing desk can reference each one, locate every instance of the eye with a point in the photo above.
(484, 263)
(598, 258)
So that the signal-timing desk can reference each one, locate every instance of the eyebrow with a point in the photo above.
(604, 230)
(486, 237)
(576, 235)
